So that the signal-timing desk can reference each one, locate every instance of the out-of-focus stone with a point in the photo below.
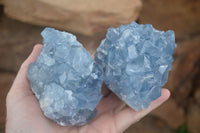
(197, 88)
(197, 95)
(193, 119)
(149, 124)
(171, 113)
(2, 129)
(17, 40)
(6, 80)
(81, 16)
(183, 16)
(1, 10)
(185, 68)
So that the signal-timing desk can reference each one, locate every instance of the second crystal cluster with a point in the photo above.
(136, 60)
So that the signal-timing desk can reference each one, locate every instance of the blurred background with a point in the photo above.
(21, 22)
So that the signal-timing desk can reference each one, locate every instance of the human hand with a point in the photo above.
(24, 114)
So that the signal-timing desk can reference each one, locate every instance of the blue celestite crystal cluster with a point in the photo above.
(133, 61)
(65, 79)
(136, 60)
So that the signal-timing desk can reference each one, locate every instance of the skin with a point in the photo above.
(25, 116)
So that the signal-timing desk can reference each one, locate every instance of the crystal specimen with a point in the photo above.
(136, 60)
(65, 79)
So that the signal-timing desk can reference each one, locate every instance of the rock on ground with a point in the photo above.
(183, 16)
(197, 96)
(17, 41)
(149, 124)
(171, 113)
(82, 16)
(193, 119)
(185, 69)
(197, 90)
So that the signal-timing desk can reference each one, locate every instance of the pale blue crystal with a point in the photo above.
(65, 79)
(136, 60)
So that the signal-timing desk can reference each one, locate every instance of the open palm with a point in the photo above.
(25, 116)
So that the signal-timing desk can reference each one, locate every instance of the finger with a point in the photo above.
(128, 116)
(21, 82)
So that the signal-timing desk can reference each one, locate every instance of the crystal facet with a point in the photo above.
(136, 60)
(65, 79)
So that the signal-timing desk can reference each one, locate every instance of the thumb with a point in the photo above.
(21, 86)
